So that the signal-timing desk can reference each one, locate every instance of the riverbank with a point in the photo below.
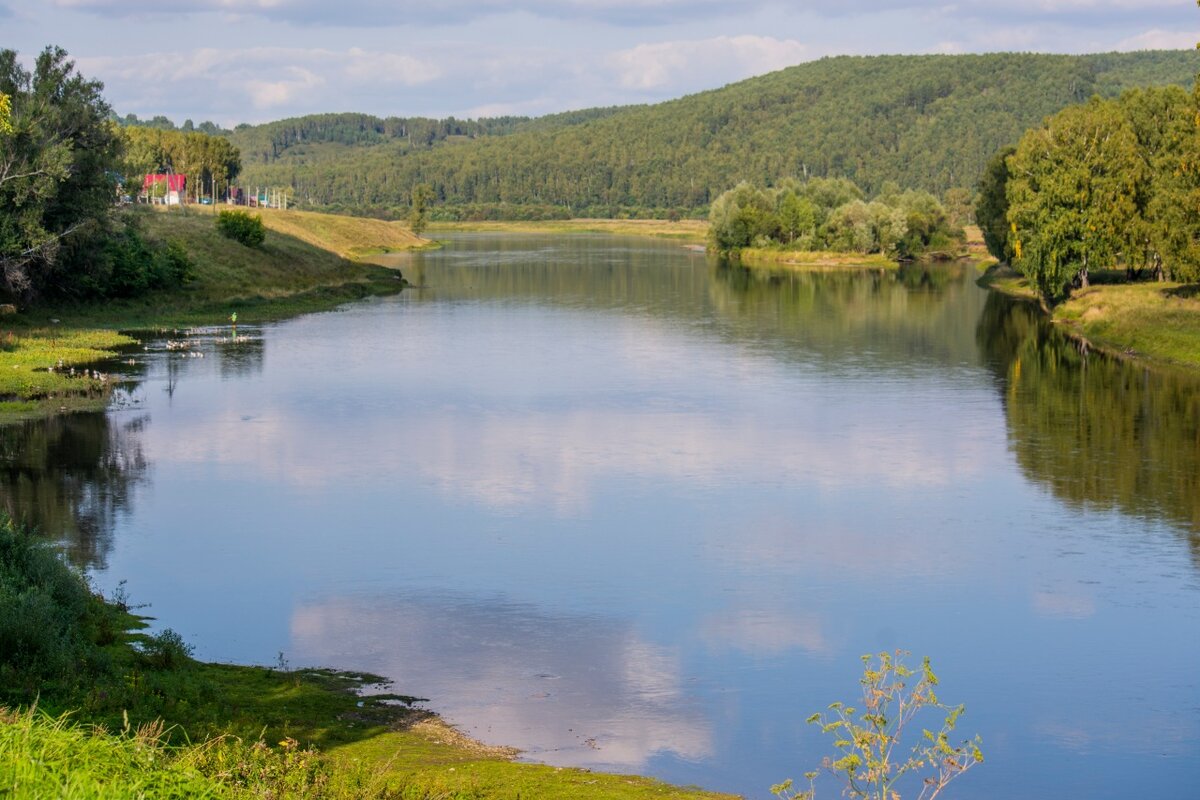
(686, 230)
(815, 260)
(120, 713)
(1152, 321)
(309, 262)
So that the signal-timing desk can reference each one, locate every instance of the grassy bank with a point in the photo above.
(815, 260)
(309, 262)
(686, 230)
(120, 713)
(1159, 322)
(42, 370)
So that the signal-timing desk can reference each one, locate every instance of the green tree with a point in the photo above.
(1071, 194)
(56, 169)
(741, 217)
(1164, 234)
(418, 214)
(797, 216)
(991, 209)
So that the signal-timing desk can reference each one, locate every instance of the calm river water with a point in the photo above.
(622, 508)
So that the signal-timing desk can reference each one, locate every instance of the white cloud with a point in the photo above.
(355, 13)
(262, 78)
(1159, 39)
(662, 64)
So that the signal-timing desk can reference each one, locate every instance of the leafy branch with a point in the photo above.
(871, 760)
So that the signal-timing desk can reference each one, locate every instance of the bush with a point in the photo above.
(49, 619)
(242, 227)
(122, 263)
(167, 650)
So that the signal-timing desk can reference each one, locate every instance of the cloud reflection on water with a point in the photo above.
(575, 690)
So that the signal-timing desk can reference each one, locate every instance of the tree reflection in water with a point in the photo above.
(1099, 432)
(70, 477)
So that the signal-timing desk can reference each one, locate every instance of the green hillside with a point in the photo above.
(928, 122)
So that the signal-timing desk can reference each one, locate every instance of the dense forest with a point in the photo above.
(923, 122)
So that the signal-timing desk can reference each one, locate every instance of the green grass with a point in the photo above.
(775, 258)
(43, 757)
(1158, 322)
(42, 370)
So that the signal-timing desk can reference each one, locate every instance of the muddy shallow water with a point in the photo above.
(623, 508)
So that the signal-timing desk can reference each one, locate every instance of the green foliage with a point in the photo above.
(871, 760)
(56, 168)
(243, 227)
(926, 122)
(166, 650)
(52, 627)
(1100, 185)
(418, 215)
(830, 214)
(5, 115)
(210, 163)
(123, 265)
(991, 209)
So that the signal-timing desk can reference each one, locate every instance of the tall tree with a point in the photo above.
(991, 209)
(56, 165)
(418, 214)
(1071, 193)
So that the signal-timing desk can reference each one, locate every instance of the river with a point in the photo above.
(625, 508)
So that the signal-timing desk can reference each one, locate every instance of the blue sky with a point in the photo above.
(255, 60)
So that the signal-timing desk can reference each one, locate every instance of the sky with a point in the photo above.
(233, 61)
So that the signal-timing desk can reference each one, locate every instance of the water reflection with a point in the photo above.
(1098, 432)
(590, 691)
(70, 477)
(627, 508)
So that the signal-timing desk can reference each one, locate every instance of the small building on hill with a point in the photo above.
(168, 189)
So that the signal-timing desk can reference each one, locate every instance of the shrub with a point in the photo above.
(49, 619)
(167, 650)
(242, 227)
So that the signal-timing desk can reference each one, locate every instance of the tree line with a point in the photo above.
(211, 163)
(831, 214)
(926, 122)
(1107, 184)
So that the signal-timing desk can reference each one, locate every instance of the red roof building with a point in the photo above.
(175, 183)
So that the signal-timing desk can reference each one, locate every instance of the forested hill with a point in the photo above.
(927, 122)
